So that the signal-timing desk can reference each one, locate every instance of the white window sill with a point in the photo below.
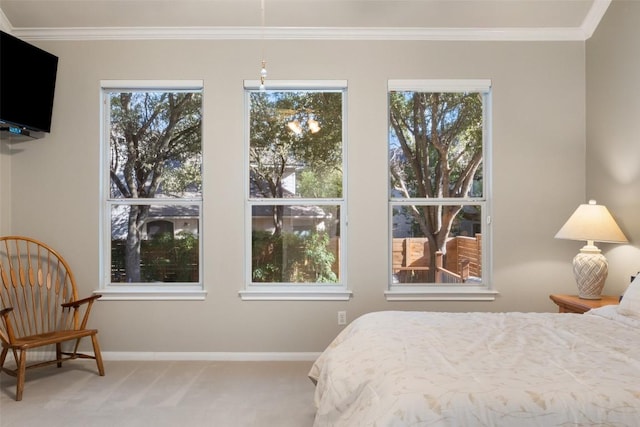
(153, 294)
(295, 295)
(440, 293)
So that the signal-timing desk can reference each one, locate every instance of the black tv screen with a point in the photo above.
(27, 84)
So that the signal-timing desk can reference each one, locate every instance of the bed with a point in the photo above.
(405, 368)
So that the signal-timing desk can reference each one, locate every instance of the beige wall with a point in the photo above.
(5, 187)
(538, 158)
(613, 130)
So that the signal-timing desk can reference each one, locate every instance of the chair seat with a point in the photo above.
(48, 338)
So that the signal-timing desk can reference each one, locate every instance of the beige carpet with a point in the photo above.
(161, 393)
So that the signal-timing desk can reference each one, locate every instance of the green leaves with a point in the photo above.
(284, 138)
(155, 139)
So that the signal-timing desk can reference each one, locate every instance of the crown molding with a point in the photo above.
(299, 33)
(594, 16)
(582, 33)
(5, 25)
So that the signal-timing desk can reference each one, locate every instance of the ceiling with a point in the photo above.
(303, 19)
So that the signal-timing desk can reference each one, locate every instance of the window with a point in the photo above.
(296, 210)
(158, 228)
(439, 186)
(151, 190)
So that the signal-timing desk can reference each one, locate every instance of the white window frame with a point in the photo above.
(463, 292)
(306, 291)
(123, 291)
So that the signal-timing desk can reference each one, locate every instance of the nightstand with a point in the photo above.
(575, 304)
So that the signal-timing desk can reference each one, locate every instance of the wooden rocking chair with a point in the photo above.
(39, 306)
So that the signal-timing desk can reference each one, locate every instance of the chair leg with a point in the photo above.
(97, 354)
(20, 372)
(3, 356)
(75, 347)
(59, 354)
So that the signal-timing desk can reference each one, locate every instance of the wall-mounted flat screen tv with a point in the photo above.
(27, 84)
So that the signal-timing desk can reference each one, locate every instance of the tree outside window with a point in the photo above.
(154, 178)
(437, 145)
(295, 185)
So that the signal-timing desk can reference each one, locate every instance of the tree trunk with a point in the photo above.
(132, 254)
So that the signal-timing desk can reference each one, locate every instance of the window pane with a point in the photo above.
(166, 250)
(418, 258)
(435, 144)
(295, 144)
(295, 244)
(155, 144)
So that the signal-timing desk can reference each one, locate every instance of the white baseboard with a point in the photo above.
(212, 356)
(39, 356)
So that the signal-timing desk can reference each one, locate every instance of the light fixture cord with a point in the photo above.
(263, 63)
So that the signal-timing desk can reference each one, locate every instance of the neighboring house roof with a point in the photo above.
(292, 211)
(120, 216)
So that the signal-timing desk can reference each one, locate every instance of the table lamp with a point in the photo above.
(593, 223)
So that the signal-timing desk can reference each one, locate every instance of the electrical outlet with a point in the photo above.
(342, 318)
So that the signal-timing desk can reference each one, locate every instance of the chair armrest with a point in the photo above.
(79, 302)
(76, 304)
(5, 311)
(6, 332)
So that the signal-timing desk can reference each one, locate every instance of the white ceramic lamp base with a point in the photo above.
(590, 269)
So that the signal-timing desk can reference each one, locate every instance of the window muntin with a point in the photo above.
(295, 186)
(438, 185)
(153, 187)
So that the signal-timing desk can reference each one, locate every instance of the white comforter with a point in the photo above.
(398, 368)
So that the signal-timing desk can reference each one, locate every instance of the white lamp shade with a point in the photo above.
(592, 222)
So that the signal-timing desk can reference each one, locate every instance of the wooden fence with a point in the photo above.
(410, 259)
